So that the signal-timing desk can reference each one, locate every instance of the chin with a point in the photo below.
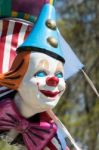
(51, 105)
(48, 102)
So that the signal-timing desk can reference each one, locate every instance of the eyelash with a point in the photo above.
(40, 74)
(44, 73)
(59, 75)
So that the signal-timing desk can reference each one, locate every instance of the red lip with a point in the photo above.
(49, 93)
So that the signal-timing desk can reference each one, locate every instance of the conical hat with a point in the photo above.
(44, 36)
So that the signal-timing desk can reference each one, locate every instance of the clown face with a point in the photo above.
(43, 83)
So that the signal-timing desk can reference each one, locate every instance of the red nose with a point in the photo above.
(52, 81)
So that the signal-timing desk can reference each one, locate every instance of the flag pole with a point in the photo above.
(63, 128)
(90, 82)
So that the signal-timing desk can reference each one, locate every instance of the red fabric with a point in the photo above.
(10, 38)
(51, 146)
(2, 42)
(14, 43)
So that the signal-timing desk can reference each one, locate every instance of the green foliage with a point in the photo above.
(78, 109)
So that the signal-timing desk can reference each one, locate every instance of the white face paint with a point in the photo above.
(43, 83)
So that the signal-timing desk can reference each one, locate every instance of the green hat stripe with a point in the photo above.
(5, 8)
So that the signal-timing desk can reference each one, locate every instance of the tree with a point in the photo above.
(79, 106)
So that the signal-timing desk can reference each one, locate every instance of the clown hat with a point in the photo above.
(45, 38)
(44, 35)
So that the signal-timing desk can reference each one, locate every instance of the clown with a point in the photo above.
(37, 78)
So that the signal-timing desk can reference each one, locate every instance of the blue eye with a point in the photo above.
(40, 74)
(59, 75)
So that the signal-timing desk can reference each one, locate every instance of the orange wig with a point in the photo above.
(14, 76)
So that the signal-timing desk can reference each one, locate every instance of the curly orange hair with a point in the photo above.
(14, 76)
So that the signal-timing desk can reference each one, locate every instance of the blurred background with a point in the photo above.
(78, 109)
(78, 21)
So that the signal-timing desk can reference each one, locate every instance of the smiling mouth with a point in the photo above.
(49, 93)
